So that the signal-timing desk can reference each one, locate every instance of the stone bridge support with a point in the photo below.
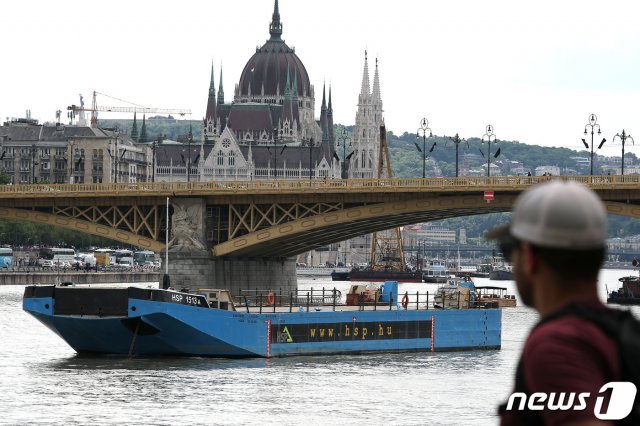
(192, 265)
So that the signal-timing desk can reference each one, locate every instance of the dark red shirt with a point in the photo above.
(568, 354)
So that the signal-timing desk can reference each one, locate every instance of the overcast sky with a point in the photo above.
(534, 70)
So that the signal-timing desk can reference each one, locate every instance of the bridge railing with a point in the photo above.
(296, 186)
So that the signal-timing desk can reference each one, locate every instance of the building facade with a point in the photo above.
(56, 153)
(268, 131)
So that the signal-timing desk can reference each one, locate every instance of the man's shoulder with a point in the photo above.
(568, 327)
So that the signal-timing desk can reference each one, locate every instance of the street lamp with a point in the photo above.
(424, 126)
(489, 136)
(190, 139)
(457, 141)
(310, 160)
(344, 138)
(275, 148)
(593, 123)
(34, 163)
(623, 137)
(114, 158)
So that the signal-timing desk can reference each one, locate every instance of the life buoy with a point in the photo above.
(271, 298)
(405, 301)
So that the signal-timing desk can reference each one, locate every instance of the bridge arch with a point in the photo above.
(81, 226)
(298, 236)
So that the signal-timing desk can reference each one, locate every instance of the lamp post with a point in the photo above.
(623, 138)
(489, 136)
(114, 158)
(344, 138)
(424, 126)
(275, 150)
(190, 139)
(593, 124)
(310, 159)
(34, 163)
(457, 140)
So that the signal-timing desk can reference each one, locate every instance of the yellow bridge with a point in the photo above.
(282, 218)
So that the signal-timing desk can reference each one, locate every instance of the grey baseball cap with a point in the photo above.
(557, 214)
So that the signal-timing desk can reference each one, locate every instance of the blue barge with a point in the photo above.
(138, 321)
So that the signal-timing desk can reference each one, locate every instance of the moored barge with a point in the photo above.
(138, 321)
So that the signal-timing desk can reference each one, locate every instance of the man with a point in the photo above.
(556, 243)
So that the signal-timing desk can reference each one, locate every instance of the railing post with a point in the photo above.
(246, 303)
(260, 302)
(308, 298)
(390, 301)
(290, 302)
(334, 299)
(375, 301)
(458, 299)
(417, 300)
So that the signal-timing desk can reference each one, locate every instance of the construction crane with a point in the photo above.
(387, 253)
(75, 109)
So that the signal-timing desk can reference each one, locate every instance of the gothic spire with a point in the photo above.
(365, 91)
(376, 84)
(287, 88)
(294, 91)
(143, 129)
(220, 90)
(211, 102)
(330, 119)
(324, 120)
(212, 84)
(134, 129)
(275, 29)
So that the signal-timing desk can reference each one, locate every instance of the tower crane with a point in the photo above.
(75, 109)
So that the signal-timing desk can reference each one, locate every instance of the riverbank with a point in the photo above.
(76, 277)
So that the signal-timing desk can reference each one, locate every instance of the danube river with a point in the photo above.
(42, 381)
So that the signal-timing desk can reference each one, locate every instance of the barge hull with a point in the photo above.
(161, 327)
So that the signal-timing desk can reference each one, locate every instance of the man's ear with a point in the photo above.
(530, 261)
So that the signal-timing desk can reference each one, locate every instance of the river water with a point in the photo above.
(43, 381)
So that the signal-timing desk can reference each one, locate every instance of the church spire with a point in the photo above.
(275, 29)
(376, 84)
(212, 84)
(330, 119)
(287, 87)
(365, 91)
(324, 121)
(211, 102)
(220, 90)
(143, 129)
(134, 129)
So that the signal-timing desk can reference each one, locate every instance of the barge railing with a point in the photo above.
(306, 300)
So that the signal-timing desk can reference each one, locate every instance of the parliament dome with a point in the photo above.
(269, 66)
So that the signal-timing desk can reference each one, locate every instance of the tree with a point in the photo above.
(4, 177)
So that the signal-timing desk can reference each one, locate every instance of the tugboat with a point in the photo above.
(628, 294)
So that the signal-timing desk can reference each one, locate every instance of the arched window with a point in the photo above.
(220, 158)
(232, 158)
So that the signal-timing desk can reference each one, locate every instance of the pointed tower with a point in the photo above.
(143, 129)
(211, 102)
(323, 117)
(134, 129)
(330, 120)
(376, 98)
(275, 29)
(366, 134)
(220, 89)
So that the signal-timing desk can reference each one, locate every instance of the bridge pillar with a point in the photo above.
(237, 274)
(191, 264)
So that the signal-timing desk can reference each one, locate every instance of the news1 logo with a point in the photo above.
(620, 403)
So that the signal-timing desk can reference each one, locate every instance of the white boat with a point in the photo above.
(436, 272)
